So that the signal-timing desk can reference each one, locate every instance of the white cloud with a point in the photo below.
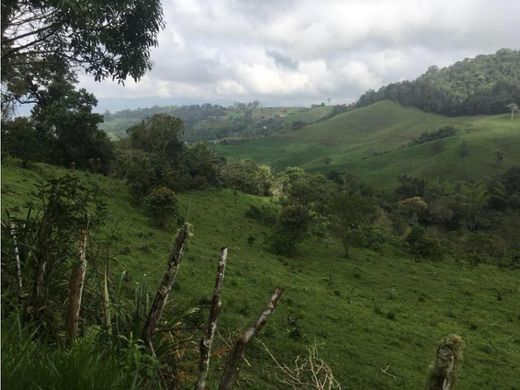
(304, 51)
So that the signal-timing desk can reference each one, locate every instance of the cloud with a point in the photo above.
(302, 52)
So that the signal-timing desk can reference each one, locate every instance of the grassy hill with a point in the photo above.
(371, 142)
(372, 311)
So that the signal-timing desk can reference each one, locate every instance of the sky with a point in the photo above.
(289, 52)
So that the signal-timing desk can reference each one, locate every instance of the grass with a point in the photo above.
(370, 142)
(367, 312)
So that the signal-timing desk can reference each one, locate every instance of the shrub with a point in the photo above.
(420, 244)
(265, 213)
(161, 204)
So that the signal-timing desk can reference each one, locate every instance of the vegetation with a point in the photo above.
(209, 122)
(368, 142)
(81, 260)
(486, 84)
(325, 295)
(40, 38)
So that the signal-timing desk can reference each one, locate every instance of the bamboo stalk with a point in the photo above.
(168, 279)
(77, 281)
(216, 306)
(240, 346)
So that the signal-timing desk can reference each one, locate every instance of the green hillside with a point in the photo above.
(372, 142)
(366, 313)
(210, 122)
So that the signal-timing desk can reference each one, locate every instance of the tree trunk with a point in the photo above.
(161, 296)
(77, 281)
(443, 373)
(242, 342)
(216, 306)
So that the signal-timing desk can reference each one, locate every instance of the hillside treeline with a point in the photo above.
(486, 84)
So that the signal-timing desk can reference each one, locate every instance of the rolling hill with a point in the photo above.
(373, 142)
(373, 311)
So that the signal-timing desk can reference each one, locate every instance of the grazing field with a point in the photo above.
(372, 142)
(371, 312)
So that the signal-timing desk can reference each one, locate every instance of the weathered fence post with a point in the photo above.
(17, 256)
(242, 342)
(76, 283)
(161, 296)
(207, 340)
(443, 371)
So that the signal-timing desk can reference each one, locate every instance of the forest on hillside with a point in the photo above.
(486, 84)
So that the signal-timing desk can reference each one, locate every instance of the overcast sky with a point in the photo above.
(298, 52)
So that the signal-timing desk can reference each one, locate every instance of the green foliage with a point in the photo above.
(160, 134)
(249, 177)
(21, 139)
(265, 213)
(207, 121)
(350, 213)
(409, 187)
(453, 298)
(421, 244)
(71, 33)
(160, 205)
(47, 236)
(485, 84)
(368, 142)
(290, 230)
(63, 115)
(443, 132)
(155, 155)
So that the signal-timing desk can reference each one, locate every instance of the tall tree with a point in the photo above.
(104, 38)
(64, 117)
(350, 212)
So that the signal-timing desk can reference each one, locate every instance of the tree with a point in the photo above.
(64, 117)
(105, 38)
(160, 134)
(291, 229)
(514, 108)
(21, 139)
(249, 177)
(160, 205)
(350, 212)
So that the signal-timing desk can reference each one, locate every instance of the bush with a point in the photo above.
(291, 229)
(265, 214)
(420, 244)
(161, 204)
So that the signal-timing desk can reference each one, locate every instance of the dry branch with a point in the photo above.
(443, 372)
(77, 281)
(243, 341)
(311, 373)
(161, 296)
(216, 306)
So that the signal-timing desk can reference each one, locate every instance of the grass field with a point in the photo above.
(371, 142)
(372, 311)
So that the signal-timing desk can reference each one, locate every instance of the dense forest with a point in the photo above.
(486, 84)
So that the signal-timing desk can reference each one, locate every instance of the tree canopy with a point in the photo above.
(104, 38)
(486, 84)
